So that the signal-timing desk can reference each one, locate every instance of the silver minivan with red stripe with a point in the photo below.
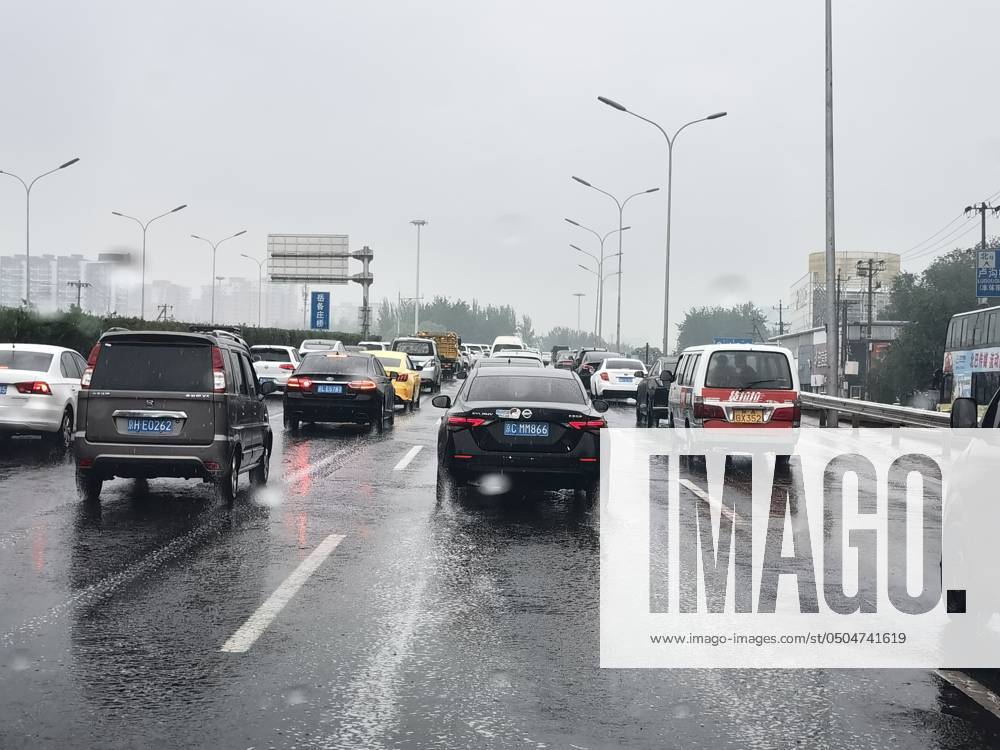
(735, 385)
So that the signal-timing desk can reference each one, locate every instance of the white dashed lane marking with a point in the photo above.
(405, 460)
(259, 621)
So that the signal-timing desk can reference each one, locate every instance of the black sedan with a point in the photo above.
(537, 425)
(336, 387)
(652, 391)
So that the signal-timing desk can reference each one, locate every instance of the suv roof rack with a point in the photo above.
(233, 333)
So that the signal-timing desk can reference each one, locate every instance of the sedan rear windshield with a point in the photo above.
(12, 359)
(153, 367)
(420, 348)
(510, 362)
(323, 364)
(390, 360)
(320, 345)
(623, 364)
(271, 355)
(525, 388)
(741, 370)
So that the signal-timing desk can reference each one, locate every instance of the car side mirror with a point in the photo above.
(600, 405)
(964, 413)
(268, 387)
(667, 377)
(393, 375)
(256, 358)
(640, 374)
(461, 374)
(441, 402)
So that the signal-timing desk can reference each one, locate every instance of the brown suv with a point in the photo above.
(171, 404)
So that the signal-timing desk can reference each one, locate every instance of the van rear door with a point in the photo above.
(153, 390)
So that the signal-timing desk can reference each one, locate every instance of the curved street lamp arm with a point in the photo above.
(596, 259)
(126, 216)
(641, 192)
(166, 213)
(23, 183)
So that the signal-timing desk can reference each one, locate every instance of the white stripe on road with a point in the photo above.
(252, 629)
(405, 460)
(979, 693)
(297, 475)
(275, 416)
(704, 496)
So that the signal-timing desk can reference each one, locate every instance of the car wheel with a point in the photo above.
(228, 485)
(392, 416)
(89, 486)
(639, 421)
(435, 387)
(417, 396)
(651, 419)
(63, 437)
(262, 470)
(378, 419)
(448, 488)
(291, 423)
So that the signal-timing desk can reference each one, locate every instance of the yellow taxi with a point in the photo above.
(407, 381)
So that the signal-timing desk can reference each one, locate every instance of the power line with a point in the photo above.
(942, 229)
(945, 241)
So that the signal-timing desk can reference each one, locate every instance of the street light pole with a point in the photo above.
(260, 281)
(418, 223)
(215, 246)
(670, 172)
(600, 263)
(27, 223)
(621, 217)
(145, 226)
(578, 295)
(601, 278)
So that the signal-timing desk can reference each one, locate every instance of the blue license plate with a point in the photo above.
(327, 388)
(150, 425)
(625, 380)
(3, 390)
(526, 429)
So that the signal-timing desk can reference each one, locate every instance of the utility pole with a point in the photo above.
(870, 268)
(981, 209)
(418, 223)
(781, 317)
(79, 287)
(163, 312)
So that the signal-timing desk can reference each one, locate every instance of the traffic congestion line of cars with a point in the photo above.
(149, 404)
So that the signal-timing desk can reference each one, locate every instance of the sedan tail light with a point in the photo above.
(402, 377)
(286, 366)
(604, 376)
(36, 387)
(218, 371)
(91, 363)
(362, 385)
(589, 424)
(460, 423)
(296, 383)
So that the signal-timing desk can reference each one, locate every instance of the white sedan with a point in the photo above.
(274, 363)
(38, 389)
(617, 378)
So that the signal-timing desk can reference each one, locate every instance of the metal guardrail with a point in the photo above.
(869, 412)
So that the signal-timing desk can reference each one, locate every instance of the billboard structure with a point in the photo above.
(319, 259)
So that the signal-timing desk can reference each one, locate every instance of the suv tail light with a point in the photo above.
(457, 423)
(218, 371)
(708, 411)
(589, 424)
(91, 363)
(296, 383)
(36, 387)
(784, 414)
(286, 366)
(362, 385)
(402, 377)
(604, 376)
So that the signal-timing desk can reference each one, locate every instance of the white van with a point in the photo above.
(506, 343)
(735, 385)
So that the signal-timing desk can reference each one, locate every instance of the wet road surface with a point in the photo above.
(449, 625)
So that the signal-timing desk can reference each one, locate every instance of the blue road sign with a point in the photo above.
(988, 273)
(730, 340)
(320, 315)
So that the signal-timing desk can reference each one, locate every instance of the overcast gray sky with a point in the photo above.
(357, 117)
